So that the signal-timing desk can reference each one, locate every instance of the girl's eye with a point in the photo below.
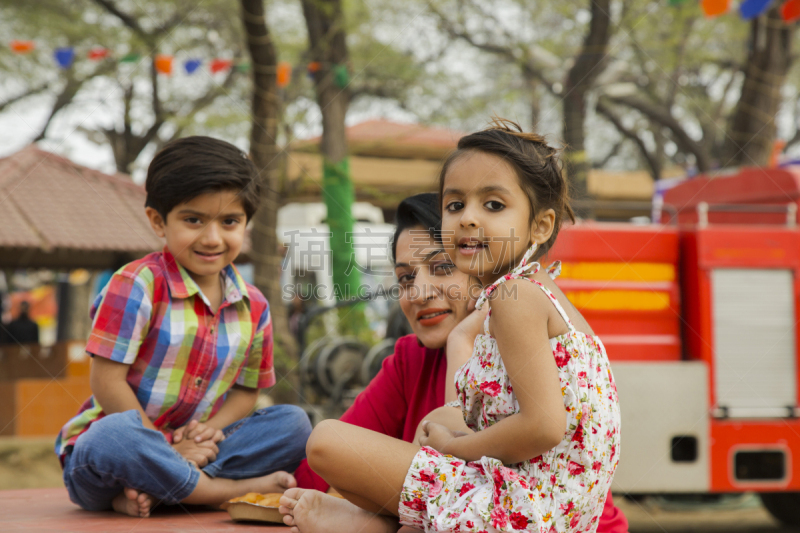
(231, 221)
(454, 206)
(494, 205)
(192, 220)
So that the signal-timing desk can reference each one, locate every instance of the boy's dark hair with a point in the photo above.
(418, 210)
(536, 164)
(188, 167)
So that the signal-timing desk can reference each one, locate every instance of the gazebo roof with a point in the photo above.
(57, 214)
(384, 138)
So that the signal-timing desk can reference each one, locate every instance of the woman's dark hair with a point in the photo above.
(188, 167)
(418, 210)
(535, 162)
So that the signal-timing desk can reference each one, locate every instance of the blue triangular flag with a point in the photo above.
(191, 65)
(750, 9)
(64, 56)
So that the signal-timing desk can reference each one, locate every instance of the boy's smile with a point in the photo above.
(204, 234)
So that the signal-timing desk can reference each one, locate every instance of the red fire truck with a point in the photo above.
(699, 317)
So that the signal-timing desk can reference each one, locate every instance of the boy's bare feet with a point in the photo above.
(311, 511)
(133, 503)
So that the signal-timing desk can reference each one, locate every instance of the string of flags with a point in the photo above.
(165, 63)
(748, 9)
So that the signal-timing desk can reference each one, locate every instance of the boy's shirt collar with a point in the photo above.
(181, 284)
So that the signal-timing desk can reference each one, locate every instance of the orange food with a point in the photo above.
(250, 497)
(270, 500)
(264, 500)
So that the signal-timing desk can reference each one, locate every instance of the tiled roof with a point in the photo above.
(49, 203)
(383, 138)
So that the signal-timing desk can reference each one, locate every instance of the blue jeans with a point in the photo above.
(118, 451)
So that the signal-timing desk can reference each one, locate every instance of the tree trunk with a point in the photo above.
(535, 102)
(326, 34)
(587, 66)
(266, 109)
(752, 129)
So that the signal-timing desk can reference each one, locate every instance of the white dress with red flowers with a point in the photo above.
(563, 490)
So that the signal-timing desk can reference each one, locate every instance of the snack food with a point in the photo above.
(270, 500)
(264, 500)
(255, 506)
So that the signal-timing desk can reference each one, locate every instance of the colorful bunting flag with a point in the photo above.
(713, 8)
(64, 56)
(163, 64)
(750, 9)
(22, 47)
(341, 77)
(96, 54)
(191, 65)
(791, 10)
(284, 74)
(220, 65)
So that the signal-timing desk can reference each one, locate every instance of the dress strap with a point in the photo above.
(516, 272)
(556, 303)
(523, 270)
(554, 270)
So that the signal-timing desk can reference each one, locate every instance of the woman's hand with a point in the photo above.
(470, 327)
(438, 437)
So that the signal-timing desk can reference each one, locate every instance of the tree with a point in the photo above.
(752, 130)
(151, 111)
(266, 111)
(539, 67)
(328, 50)
(715, 103)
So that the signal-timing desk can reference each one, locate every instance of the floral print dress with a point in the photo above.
(562, 490)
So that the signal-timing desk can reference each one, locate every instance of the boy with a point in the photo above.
(180, 346)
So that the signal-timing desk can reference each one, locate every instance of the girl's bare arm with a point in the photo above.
(519, 324)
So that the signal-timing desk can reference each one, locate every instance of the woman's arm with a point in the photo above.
(238, 403)
(519, 324)
(459, 350)
(460, 343)
(381, 407)
(110, 388)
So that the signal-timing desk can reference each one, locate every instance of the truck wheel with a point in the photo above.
(785, 506)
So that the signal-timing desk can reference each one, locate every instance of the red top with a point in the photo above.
(409, 386)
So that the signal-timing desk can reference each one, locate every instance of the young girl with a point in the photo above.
(537, 390)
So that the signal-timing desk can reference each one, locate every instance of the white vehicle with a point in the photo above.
(307, 271)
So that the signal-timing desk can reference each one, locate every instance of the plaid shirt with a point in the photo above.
(183, 357)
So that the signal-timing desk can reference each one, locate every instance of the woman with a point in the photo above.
(435, 297)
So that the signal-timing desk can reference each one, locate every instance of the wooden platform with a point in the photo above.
(39, 510)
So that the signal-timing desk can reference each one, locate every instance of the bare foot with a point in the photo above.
(275, 482)
(311, 511)
(133, 503)
(215, 491)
